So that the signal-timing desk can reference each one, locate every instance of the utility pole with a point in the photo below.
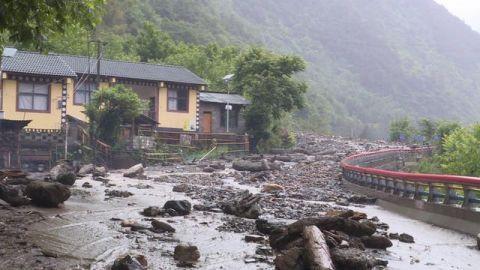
(228, 107)
(93, 124)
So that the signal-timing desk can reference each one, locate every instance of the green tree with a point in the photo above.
(153, 44)
(111, 107)
(427, 128)
(445, 128)
(267, 80)
(32, 22)
(461, 155)
(402, 130)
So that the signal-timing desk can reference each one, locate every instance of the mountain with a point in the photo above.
(369, 61)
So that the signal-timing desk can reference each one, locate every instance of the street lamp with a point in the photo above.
(228, 107)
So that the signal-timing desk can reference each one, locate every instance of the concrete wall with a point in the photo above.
(41, 120)
(215, 109)
(177, 120)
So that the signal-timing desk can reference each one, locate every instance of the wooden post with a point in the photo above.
(316, 249)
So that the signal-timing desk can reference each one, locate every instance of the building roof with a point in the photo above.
(36, 63)
(71, 65)
(15, 125)
(133, 70)
(223, 98)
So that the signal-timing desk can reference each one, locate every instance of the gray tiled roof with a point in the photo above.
(36, 63)
(223, 98)
(132, 70)
(70, 66)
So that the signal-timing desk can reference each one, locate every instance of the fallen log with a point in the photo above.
(348, 226)
(317, 254)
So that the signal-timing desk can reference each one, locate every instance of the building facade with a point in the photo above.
(213, 113)
(47, 88)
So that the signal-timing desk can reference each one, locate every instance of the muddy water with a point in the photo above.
(83, 230)
(434, 248)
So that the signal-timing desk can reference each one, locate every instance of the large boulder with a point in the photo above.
(47, 194)
(12, 195)
(86, 169)
(160, 226)
(180, 207)
(134, 171)
(252, 166)
(186, 253)
(376, 241)
(64, 173)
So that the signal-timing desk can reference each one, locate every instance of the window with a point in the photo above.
(232, 115)
(83, 93)
(178, 100)
(33, 96)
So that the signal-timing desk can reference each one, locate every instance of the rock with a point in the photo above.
(186, 253)
(100, 172)
(64, 173)
(266, 227)
(12, 195)
(128, 223)
(218, 165)
(478, 241)
(252, 166)
(254, 238)
(160, 226)
(393, 236)
(134, 171)
(118, 193)
(376, 241)
(352, 258)
(181, 188)
(153, 211)
(129, 263)
(270, 188)
(86, 169)
(362, 199)
(87, 185)
(246, 206)
(208, 169)
(290, 259)
(47, 194)
(181, 207)
(406, 238)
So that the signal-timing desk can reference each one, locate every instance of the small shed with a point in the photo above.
(213, 112)
(10, 142)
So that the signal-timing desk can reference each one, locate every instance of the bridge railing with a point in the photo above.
(367, 169)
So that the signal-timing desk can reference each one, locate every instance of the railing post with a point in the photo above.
(418, 192)
(466, 197)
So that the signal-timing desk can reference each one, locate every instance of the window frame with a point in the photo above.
(48, 95)
(85, 91)
(187, 100)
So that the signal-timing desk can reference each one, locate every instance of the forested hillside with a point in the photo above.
(368, 60)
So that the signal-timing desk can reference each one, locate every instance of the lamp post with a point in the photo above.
(228, 107)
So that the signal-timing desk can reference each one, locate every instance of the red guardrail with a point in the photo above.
(450, 188)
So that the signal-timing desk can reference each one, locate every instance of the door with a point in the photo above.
(207, 122)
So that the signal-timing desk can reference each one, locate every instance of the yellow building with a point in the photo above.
(47, 88)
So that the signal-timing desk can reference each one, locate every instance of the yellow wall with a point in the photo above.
(185, 121)
(77, 110)
(51, 120)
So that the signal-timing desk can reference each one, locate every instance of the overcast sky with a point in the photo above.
(467, 10)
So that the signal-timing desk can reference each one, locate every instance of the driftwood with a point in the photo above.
(246, 206)
(317, 254)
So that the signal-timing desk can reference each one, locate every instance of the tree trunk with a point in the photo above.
(316, 250)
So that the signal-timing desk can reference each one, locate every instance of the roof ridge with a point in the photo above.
(121, 61)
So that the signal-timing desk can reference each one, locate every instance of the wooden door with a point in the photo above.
(207, 122)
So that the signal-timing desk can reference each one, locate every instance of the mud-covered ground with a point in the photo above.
(87, 233)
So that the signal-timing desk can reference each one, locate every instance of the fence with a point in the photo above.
(234, 142)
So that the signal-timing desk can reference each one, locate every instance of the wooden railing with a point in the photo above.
(104, 149)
